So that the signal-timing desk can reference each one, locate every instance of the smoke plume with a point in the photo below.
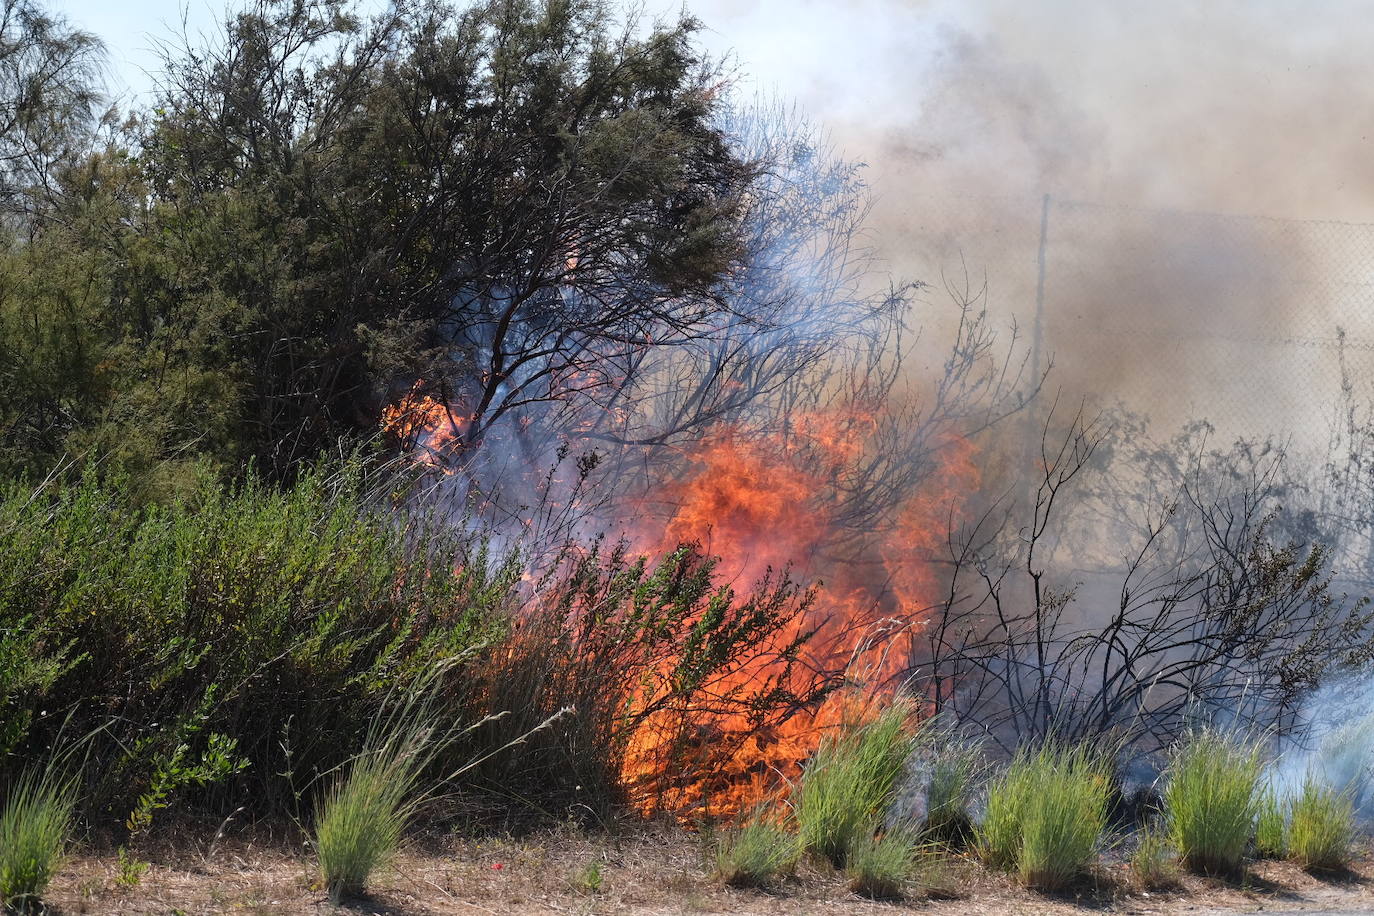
(968, 113)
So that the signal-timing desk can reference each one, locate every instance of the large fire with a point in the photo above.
(765, 504)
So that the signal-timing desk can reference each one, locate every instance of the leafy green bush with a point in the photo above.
(756, 852)
(879, 865)
(848, 784)
(240, 631)
(33, 832)
(1046, 813)
(1271, 826)
(1212, 799)
(1322, 828)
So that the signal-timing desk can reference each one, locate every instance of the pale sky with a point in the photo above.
(1249, 106)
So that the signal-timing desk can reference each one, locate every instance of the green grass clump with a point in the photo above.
(998, 837)
(1344, 760)
(33, 834)
(756, 852)
(1064, 818)
(849, 783)
(360, 818)
(1322, 828)
(878, 866)
(1271, 826)
(1211, 800)
(1045, 815)
(1153, 862)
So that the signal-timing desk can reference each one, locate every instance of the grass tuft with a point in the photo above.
(33, 834)
(954, 770)
(1322, 828)
(362, 816)
(879, 866)
(1045, 815)
(1064, 818)
(1212, 799)
(850, 782)
(755, 853)
(1153, 861)
(1271, 827)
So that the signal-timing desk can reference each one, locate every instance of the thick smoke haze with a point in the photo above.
(967, 113)
(1259, 108)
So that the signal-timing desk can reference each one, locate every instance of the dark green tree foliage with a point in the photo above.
(48, 72)
(491, 199)
(320, 209)
(52, 337)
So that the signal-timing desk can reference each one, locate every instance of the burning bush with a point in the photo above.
(666, 673)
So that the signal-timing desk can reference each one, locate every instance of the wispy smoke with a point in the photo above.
(1334, 745)
(967, 113)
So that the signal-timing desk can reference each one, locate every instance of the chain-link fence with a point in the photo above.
(1249, 323)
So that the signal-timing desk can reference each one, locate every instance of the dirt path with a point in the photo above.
(647, 873)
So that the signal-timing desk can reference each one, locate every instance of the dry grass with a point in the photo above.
(643, 870)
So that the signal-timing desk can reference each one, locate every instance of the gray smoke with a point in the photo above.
(967, 113)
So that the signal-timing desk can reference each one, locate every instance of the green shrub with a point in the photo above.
(33, 833)
(1271, 826)
(1322, 828)
(1153, 861)
(849, 783)
(1211, 800)
(1046, 813)
(879, 865)
(756, 852)
(589, 879)
(204, 638)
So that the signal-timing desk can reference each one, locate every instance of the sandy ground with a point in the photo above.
(646, 871)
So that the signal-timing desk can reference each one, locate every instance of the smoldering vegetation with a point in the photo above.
(500, 399)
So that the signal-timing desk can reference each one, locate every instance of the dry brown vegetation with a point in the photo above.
(644, 869)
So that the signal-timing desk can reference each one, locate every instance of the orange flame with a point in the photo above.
(765, 504)
(425, 425)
